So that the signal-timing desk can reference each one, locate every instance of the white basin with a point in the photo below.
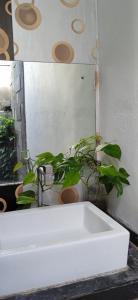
(42, 247)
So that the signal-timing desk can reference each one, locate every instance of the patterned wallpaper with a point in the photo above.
(6, 41)
(54, 30)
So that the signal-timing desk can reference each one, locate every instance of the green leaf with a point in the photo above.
(100, 147)
(18, 166)
(112, 150)
(86, 144)
(27, 197)
(71, 178)
(110, 170)
(59, 157)
(30, 177)
(73, 163)
(123, 173)
(119, 188)
(107, 182)
(47, 155)
(124, 180)
(44, 158)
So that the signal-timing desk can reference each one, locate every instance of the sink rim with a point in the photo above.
(106, 218)
(115, 229)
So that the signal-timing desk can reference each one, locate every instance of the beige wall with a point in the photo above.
(118, 27)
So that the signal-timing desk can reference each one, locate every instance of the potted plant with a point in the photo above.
(81, 163)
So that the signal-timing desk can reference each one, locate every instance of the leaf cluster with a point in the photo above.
(7, 148)
(70, 169)
(6, 127)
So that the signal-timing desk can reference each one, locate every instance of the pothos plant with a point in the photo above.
(80, 163)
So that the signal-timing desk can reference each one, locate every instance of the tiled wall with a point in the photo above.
(51, 31)
(6, 41)
(55, 30)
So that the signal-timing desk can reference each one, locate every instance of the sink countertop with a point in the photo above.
(89, 288)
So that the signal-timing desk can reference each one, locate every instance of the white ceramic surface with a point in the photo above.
(42, 247)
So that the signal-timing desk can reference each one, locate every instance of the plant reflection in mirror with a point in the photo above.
(8, 155)
(80, 163)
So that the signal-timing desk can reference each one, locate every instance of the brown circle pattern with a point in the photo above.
(4, 41)
(78, 26)
(28, 16)
(4, 44)
(16, 48)
(69, 195)
(70, 3)
(18, 190)
(7, 5)
(63, 52)
(3, 203)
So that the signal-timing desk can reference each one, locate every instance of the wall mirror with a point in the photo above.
(43, 107)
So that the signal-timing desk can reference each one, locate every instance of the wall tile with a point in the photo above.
(54, 30)
(6, 40)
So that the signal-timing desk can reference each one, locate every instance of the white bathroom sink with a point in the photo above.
(43, 247)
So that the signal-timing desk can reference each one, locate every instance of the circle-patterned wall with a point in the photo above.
(54, 31)
(6, 41)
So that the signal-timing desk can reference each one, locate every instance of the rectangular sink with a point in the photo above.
(43, 247)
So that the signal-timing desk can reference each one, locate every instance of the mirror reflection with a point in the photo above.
(43, 107)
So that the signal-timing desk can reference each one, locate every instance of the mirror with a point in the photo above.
(43, 107)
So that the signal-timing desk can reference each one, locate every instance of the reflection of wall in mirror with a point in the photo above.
(60, 105)
(5, 86)
(18, 106)
(5, 97)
